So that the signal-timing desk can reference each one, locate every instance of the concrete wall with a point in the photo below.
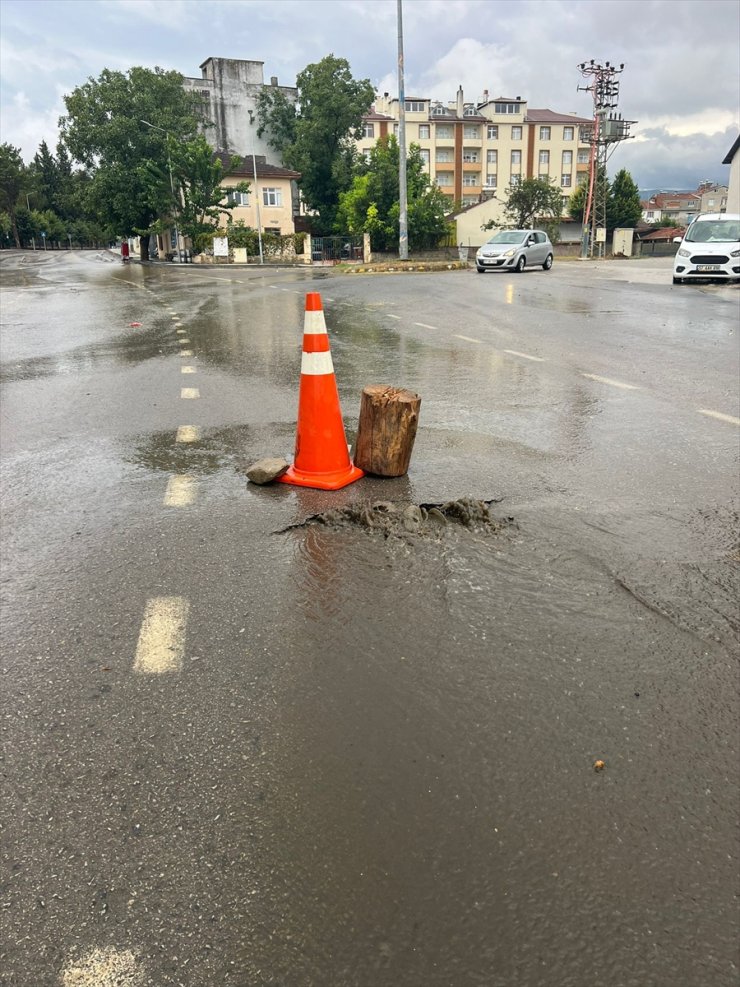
(229, 89)
(733, 193)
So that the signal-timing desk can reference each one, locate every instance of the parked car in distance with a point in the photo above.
(710, 248)
(513, 250)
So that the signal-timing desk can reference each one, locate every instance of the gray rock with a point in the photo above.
(267, 470)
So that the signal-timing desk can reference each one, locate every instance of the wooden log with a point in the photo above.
(387, 429)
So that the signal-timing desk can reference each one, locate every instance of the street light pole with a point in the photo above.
(33, 235)
(172, 183)
(403, 230)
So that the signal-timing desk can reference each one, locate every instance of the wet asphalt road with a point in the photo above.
(371, 764)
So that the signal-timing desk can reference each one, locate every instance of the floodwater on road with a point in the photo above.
(373, 763)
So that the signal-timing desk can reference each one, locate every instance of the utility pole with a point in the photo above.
(403, 232)
(607, 130)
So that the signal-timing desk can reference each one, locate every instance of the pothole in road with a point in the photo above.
(401, 518)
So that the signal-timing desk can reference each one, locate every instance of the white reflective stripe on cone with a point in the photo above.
(314, 323)
(317, 363)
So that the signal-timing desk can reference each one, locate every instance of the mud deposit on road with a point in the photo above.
(400, 519)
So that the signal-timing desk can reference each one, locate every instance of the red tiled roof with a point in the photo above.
(247, 168)
(552, 116)
(664, 233)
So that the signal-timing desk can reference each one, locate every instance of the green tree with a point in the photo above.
(623, 205)
(372, 204)
(316, 137)
(104, 131)
(199, 175)
(577, 203)
(15, 181)
(534, 201)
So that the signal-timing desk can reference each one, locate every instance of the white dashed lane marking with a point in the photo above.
(161, 644)
(180, 491)
(730, 419)
(424, 325)
(526, 356)
(187, 433)
(611, 383)
(189, 393)
(468, 339)
(186, 352)
(187, 370)
(398, 317)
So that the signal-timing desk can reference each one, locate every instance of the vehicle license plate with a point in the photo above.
(708, 267)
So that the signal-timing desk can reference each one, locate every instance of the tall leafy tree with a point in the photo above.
(199, 174)
(316, 137)
(372, 204)
(103, 129)
(15, 181)
(623, 205)
(534, 200)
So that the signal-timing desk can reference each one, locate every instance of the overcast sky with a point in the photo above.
(680, 80)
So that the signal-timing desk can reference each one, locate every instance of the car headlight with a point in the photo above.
(684, 253)
(509, 253)
(735, 253)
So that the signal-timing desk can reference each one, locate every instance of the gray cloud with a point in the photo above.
(680, 78)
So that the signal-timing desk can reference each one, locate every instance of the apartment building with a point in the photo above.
(471, 150)
(271, 202)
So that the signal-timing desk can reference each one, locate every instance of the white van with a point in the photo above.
(710, 249)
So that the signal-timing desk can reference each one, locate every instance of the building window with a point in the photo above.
(275, 230)
(472, 178)
(444, 132)
(650, 214)
(582, 179)
(492, 157)
(470, 200)
(565, 181)
(368, 130)
(415, 106)
(471, 155)
(444, 155)
(544, 133)
(469, 110)
(438, 110)
(444, 178)
(515, 180)
(710, 202)
(368, 155)
(238, 198)
(424, 155)
(516, 159)
(507, 108)
(424, 131)
(544, 161)
(516, 133)
(272, 196)
(471, 133)
(568, 133)
(491, 180)
(395, 129)
(583, 157)
(492, 132)
(565, 202)
(567, 160)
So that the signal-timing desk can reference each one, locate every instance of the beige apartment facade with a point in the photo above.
(274, 195)
(475, 151)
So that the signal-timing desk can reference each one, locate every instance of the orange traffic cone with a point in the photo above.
(321, 455)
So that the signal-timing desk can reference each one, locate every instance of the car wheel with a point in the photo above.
(480, 270)
(521, 264)
(678, 280)
(548, 263)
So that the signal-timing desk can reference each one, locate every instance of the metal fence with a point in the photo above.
(335, 249)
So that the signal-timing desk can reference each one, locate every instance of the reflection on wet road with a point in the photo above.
(325, 755)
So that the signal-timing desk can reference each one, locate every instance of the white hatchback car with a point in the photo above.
(710, 249)
(512, 250)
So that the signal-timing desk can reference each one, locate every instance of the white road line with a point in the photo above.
(720, 416)
(186, 352)
(178, 325)
(161, 643)
(176, 318)
(187, 370)
(424, 325)
(189, 393)
(526, 356)
(180, 332)
(612, 383)
(180, 491)
(469, 339)
(393, 316)
(184, 342)
(188, 433)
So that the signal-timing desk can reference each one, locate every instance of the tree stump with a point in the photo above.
(387, 429)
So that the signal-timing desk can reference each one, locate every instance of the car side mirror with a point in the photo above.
(677, 239)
